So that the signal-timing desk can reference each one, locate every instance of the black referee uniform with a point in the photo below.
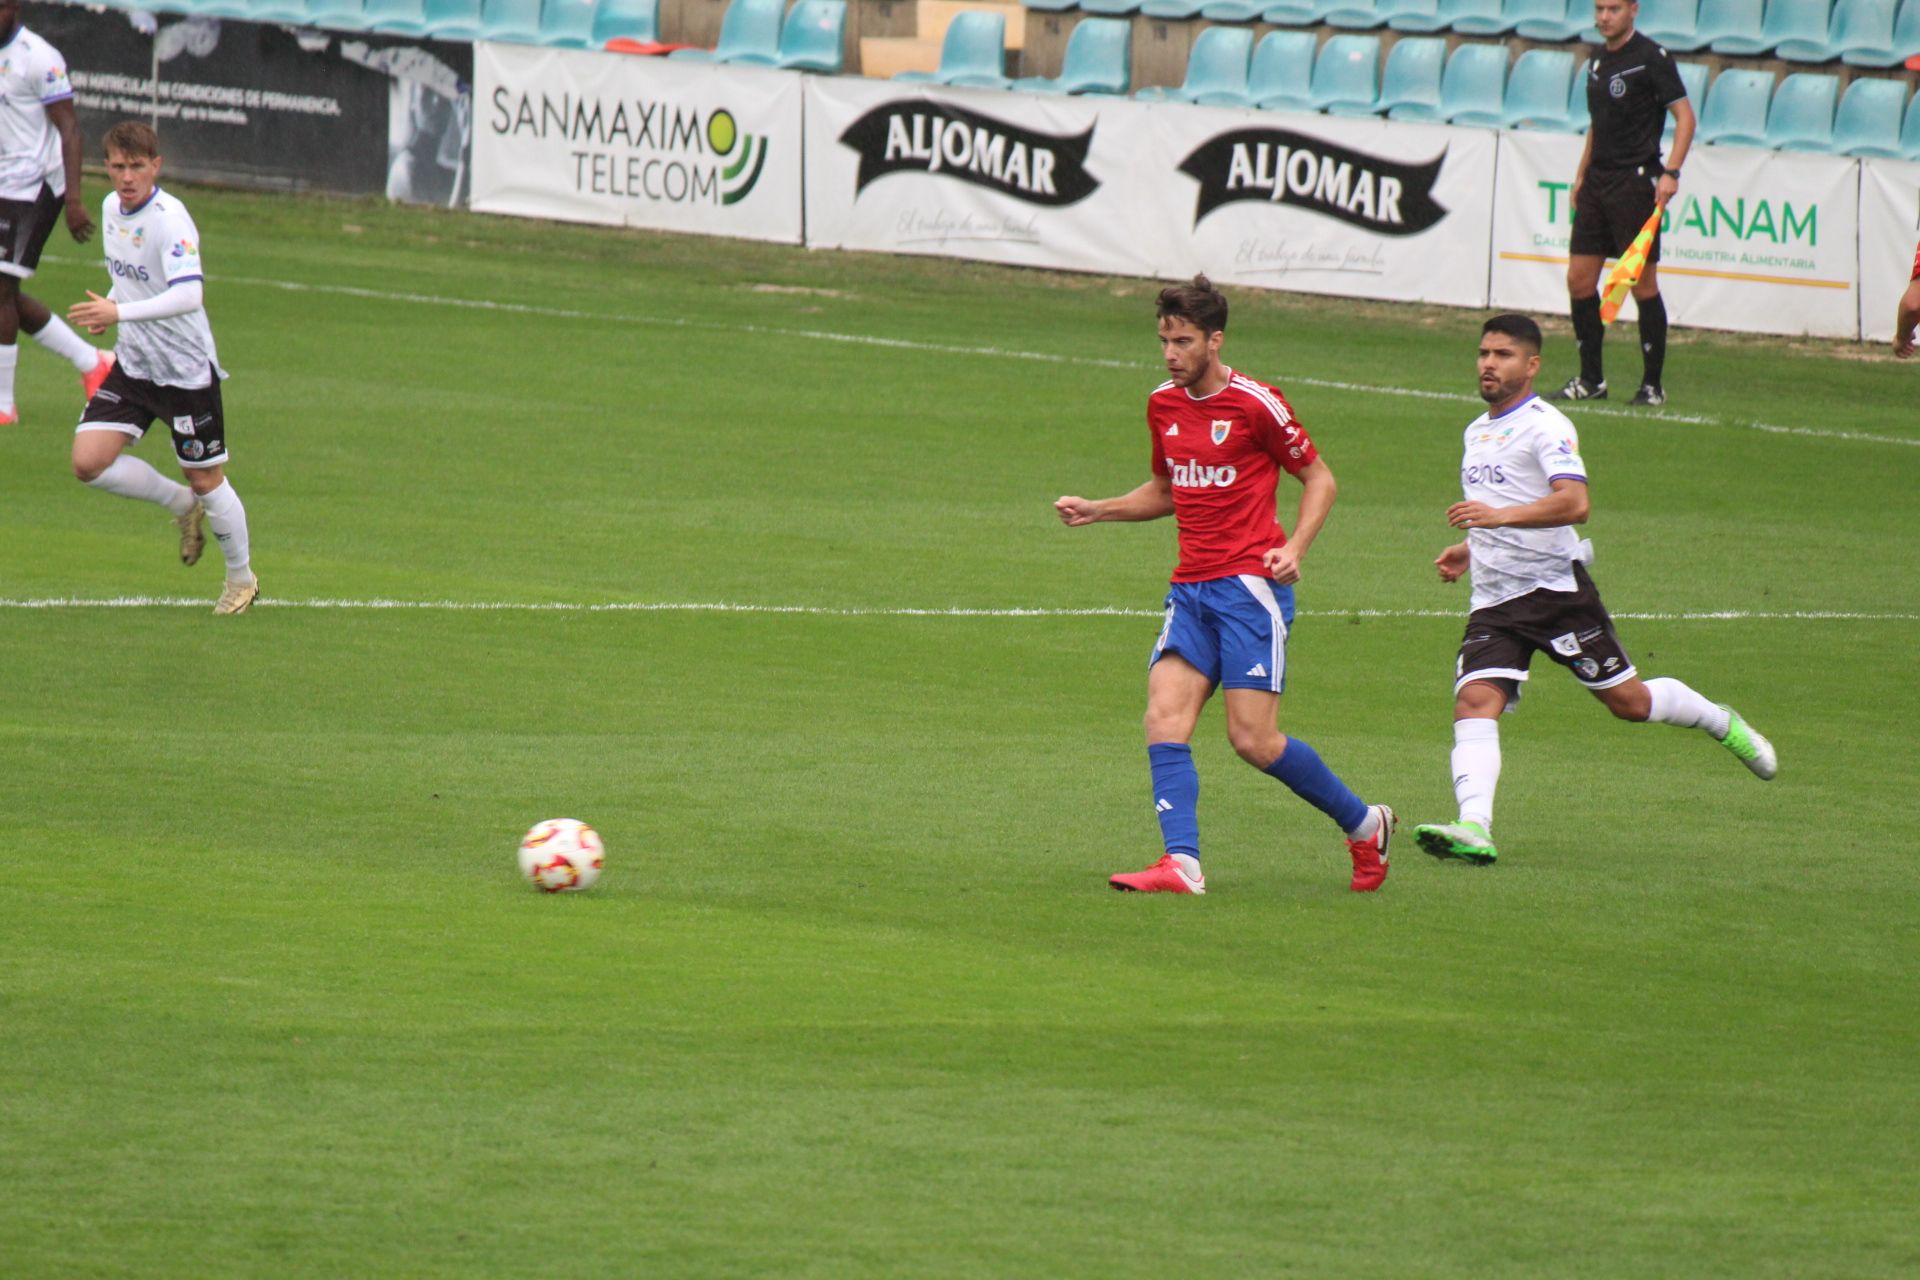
(1629, 93)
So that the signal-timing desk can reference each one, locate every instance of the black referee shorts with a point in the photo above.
(1613, 205)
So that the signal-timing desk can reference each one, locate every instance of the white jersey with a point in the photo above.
(32, 74)
(149, 250)
(1512, 460)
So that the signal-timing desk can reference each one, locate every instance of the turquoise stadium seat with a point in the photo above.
(1801, 118)
(1797, 30)
(625, 20)
(973, 56)
(567, 24)
(1474, 89)
(1537, 91)
(1232, 10)
(396, 17)
(1731, 26)
(1414, 15)
(1578, 118)
(1906, 31)
(1410, 83)
(338, 15)
(814, 36)
(1110, 8)
(1862, 33)
(1869, 120)
(1355, 15)
(1216, 71)
(1174, 10)
(749, 33)
(1282, 74)
(1548, 19)
(1475, 17)
(1293, 13)
(1736, 110)
(1910, 131)
(1671, 24)
(1694, 76)
(1053, 6)
(1099, 59)
(1346, 76)
(510, 21)
(453, 19)
(289, 11)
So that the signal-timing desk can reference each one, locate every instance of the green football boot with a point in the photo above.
(1745, 741)
(1467, 841)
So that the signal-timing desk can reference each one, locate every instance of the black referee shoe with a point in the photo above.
(1649, 394)
(1579, 389)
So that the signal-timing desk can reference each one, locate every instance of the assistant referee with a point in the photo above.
(1631, 86)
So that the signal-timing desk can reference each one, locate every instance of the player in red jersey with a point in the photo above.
(1909, 314)
(1220, 442)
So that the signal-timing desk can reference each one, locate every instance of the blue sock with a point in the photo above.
(1308, 777)
(1176, 796)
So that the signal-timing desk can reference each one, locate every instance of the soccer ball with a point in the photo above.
(562, 853)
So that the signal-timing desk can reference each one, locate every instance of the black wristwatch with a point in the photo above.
(1671, 173)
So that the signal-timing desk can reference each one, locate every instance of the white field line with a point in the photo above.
(862, 611)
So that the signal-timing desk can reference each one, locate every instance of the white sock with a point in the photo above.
(1368, 825)
(1476, 768)
(63, 341)
(228, 520)
(1676, 704)
(129, 477)
(1188, 863)
(9, 361)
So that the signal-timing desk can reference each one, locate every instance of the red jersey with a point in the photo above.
(1916, 262)
(1224, 454)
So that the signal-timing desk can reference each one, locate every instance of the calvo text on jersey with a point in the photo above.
(1195, 475)
(939, 138)
(1280, 166)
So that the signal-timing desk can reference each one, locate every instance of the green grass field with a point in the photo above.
(853, 998)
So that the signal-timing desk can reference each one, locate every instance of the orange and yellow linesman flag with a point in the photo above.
(1626, 272)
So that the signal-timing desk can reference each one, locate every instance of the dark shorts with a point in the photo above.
(1571, 627)
(193, 414)
(24, 228)
(1613, 205)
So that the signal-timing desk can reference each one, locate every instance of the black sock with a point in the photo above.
(1588, 329)
(1653, 338)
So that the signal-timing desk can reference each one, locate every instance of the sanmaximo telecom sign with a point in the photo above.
(1278, 166)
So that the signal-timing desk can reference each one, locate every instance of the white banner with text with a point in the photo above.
(643, 142)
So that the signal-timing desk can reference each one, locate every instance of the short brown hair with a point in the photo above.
(134, 138)
(1197, 302)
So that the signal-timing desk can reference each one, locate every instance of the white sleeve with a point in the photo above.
(1558, 453)
(174, 300)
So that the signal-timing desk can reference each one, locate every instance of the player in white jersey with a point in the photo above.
(39, 174)
(1525, 486)
(168, 369)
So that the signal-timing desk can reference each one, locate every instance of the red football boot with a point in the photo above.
(1164, 876)
(1370, 855)
(90, 382)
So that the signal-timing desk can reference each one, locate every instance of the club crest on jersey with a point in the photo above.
(1221, 426)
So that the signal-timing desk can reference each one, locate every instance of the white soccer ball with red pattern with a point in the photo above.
(561, 854)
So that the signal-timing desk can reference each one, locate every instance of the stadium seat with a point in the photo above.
(1232, 10)
(1172, 10)
(1355, 15)
(973, 56)
(510, 21)
(1474, 89)
(1282, 74)
(1736, 111)
(1537, 91)
(1801, 118)
(750, 34)
(338, 15)
(1578, 118)
(814, 36)
(289, 11)
(1414, 15)
(1548, 19)
(1906, 32)
(1731, 26)
(1694, 76)
(1293, 13)
(1910, 131)
(1475, 17)
(1797, 30)
(567, 24)
(1099, 59)
(1110, 8)
(1410, 83)
(1869, 120)
(396, 17)
(637, 20)
(1346, 76)
(1671, 24)
(453, 19)
(1862, 33)
(1053, 6)
(1216, 71)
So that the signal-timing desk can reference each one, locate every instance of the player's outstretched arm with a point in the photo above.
(1905, 320)
(1317, 492)
(1150, 501)
(1567, 504)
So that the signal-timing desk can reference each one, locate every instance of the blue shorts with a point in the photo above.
(1233, 630)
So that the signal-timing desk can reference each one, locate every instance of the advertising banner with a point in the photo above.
(1359, 208)
(997, 177)
(1758, 241)
(270, 106)
(643, 142)
(1889, 233)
